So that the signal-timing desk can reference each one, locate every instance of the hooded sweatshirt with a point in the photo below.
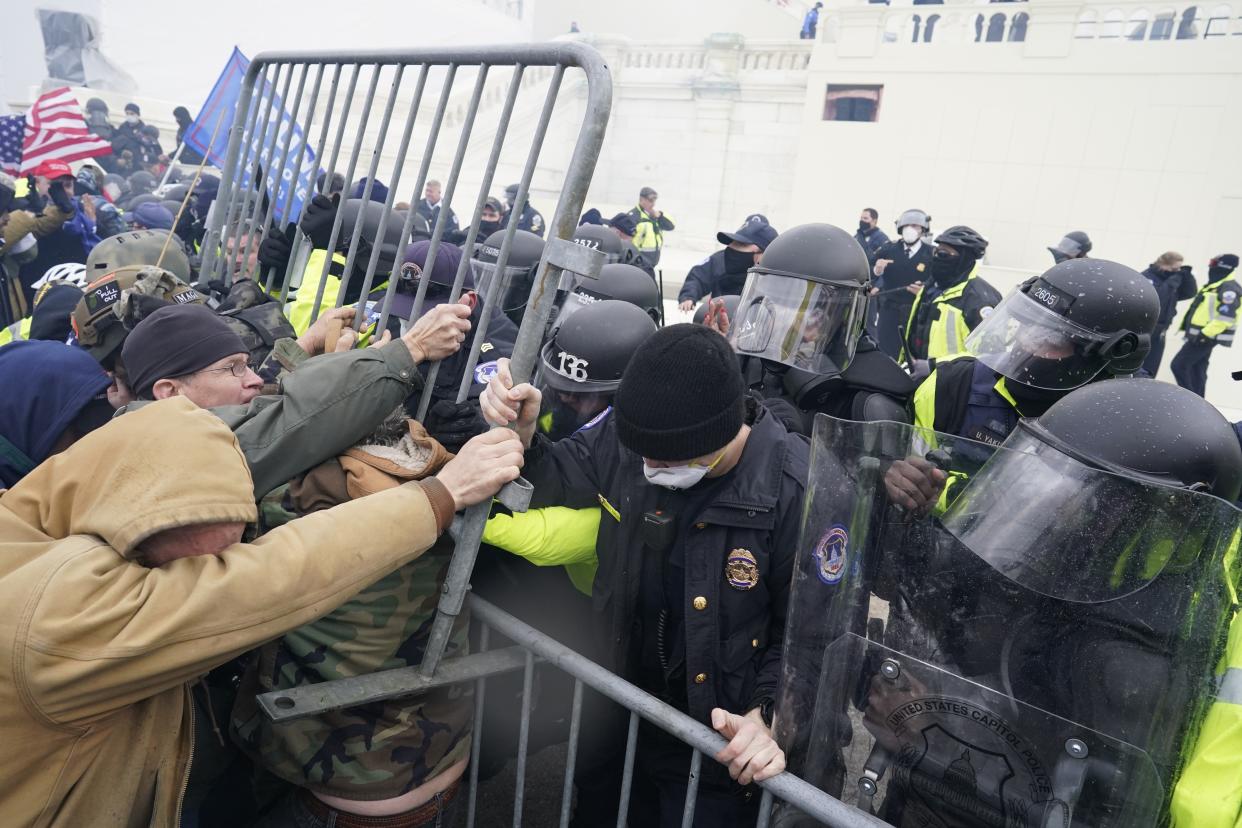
(96, 649)
(46, 385)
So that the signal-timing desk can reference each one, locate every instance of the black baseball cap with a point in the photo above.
(755, 230)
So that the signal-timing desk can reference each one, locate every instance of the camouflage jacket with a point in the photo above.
(384, 749)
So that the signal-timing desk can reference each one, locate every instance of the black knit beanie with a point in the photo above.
(681, 395)
(175, 341)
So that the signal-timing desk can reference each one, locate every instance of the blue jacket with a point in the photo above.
(47, 385)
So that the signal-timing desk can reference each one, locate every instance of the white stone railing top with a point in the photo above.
(978, 21)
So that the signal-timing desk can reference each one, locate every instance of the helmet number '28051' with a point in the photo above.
(574, 367)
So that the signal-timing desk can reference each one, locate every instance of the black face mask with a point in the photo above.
(738, 262)
(486, 228)
(947, 271)
(864, 227)
(1218, 272)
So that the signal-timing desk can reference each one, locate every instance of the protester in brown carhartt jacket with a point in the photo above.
(97, 647)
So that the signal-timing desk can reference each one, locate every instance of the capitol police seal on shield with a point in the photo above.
(830, 554)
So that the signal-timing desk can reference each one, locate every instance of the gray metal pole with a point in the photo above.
(530, 336)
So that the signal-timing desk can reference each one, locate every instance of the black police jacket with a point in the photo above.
(738, 552)
(709, 276)
(903, 270)
(531, 220)
(1171, 288)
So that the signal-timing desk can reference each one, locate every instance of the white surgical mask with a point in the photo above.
(910, 234)
(133, 119)
(679, 477)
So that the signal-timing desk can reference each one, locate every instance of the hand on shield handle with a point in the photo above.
(484, 465)
(503, 403)
(914, 484)
(438, 333)
(884, 698)
(752, 754)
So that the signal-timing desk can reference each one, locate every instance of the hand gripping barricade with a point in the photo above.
(473, 85)
(1002, 660)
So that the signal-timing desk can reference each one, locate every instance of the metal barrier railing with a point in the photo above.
(259, 135)
(531, 644)
(262, 142)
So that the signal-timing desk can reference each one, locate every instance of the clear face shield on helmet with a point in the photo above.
(807, 325)
(485, 274)
(1027, 341)
(571, 397)
(1061, 528)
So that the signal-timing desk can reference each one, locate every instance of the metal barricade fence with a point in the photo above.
(267, 136)
(532, 645)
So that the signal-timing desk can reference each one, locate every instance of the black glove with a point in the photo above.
(61, 198)
(452, 425)
(34, 202)
(317, 220)
(275, 250)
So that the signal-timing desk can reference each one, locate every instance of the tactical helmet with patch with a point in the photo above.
(138, 247)
(110, 307)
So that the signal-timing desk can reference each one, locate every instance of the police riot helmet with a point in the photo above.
(175, 192)
(121, 182)
(914, 217)
(1111, 482)
(616, 281)
(588, 352)
(1073, 245)
(141, 182)
(525, 251)
(602, 239)
(1170, 435)
(804, 304)
(378, 226)
(1082, 318)
(141, 198)
(138, 247)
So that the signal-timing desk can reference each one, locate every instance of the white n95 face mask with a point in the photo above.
(679, 477)
(911, 234)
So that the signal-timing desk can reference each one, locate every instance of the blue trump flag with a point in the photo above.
(267, 145)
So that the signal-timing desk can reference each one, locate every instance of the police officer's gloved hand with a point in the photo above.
(920, 369)
(786, 414)
(275, 250)
(453, 424)
(317, 220)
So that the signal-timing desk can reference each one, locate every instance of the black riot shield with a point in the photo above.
(1033, 650)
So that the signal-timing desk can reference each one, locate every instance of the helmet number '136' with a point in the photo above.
(574, 367)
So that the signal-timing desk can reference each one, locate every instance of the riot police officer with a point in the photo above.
(525, 251)
(799, 335)
(616, 281)
(1073, 245)
(724, 272)
(951, 304)
(1081, 321)
(583, 360)
(603, 239)
(529, 218)
(1045, 645)
(898, 265)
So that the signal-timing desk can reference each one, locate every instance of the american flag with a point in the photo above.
(53, 130)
